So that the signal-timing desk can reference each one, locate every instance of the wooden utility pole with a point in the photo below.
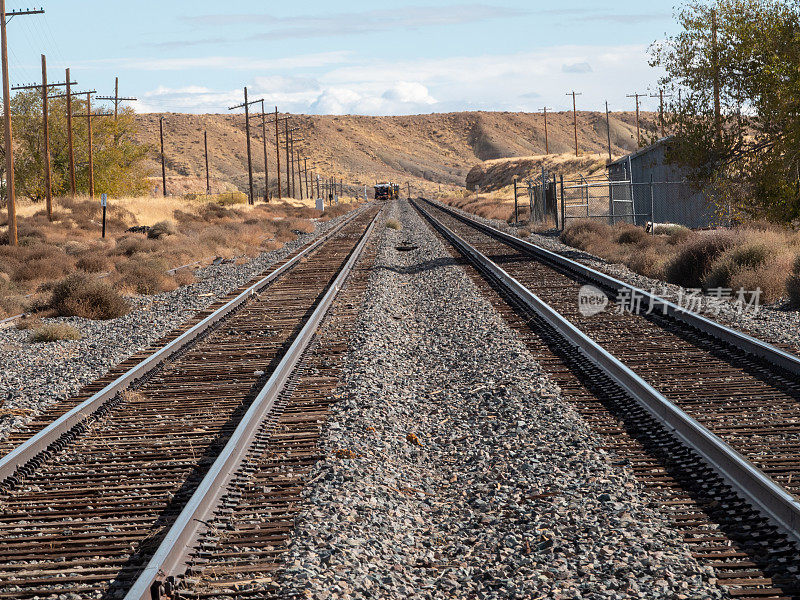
(89, 118)
(11, 200)
(288, 166)
(44, 88)
(715, 74)
(70, 140)
(546, 143)
(299, 175)
(116, 99)
(264, 139)
(208, 174)
(278, 153)
(251, 198)
(305, 171)
(661, 120)
(291, 158)
(608, 131)
(48, 173)
(163, 159)
(575, 117)
(638, 130)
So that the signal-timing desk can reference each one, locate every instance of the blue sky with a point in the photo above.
(366, 57)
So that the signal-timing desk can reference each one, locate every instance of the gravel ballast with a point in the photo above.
(774, 323)
(33, 376)
(455, 470)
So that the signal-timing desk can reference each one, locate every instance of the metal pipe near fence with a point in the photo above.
(563, 211)
(530, 199)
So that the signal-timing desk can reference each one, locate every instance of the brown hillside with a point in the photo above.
(426, 150)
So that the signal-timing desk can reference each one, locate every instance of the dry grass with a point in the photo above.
(393, 224)
(182, 231)
(748, 257)
(54, 332)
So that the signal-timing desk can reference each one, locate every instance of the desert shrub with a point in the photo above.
(393, 224)
(28, 322)
(648, 262)
(81, 295)
(162, 229)
(54, 332)
(46, 263)
(694, 258)
(134, 244)
(793, 283)
(630, 234)
(581, 233)
(678, 235)
(93, 262)
(231, 198)
(74, 247)
(145, 276)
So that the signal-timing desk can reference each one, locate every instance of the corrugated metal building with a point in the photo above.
(673, 199)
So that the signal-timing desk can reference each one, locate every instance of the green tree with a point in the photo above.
(746, 53)
(119, 160)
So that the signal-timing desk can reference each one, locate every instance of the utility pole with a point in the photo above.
(251, 198)
(299, 175)
(278, 153)
(305, 172)
(89, 117)
(288, 166)
(163, 161)
(264, 139)
(116, 98)
(44, 87)
(73, 186)
(72, 183)
(575, 117)
(661, 119)
(291, 155)
(546, 143)
(11, 199)
(638, 131)
(208, 174)
(608, 131)
(715, 70)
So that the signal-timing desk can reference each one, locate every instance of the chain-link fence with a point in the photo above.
(637, 203)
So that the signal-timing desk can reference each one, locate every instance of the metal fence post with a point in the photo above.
(530, 199)
(516, 210)
(563, 211)
(652, 209)
(611, 202)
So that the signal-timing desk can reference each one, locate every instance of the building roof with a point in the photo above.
(640, 152)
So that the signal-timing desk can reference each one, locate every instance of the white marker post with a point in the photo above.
(104, 203)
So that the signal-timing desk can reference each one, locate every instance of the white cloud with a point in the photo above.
(520, 81)
(409, 92)
(581, 67)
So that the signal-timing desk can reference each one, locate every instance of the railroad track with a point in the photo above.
(708, 419)
(122, 493)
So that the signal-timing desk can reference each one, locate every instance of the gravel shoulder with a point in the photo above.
(34, 376)
(455, 470)
(775, 323)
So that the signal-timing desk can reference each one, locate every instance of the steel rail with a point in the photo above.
(740, 340)
(172, 557)
(30, 450)
(758, 489)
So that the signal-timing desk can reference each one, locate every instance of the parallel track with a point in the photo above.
(88, 518)
(749, 403)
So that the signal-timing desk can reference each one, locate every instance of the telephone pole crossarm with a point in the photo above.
(38, 86)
